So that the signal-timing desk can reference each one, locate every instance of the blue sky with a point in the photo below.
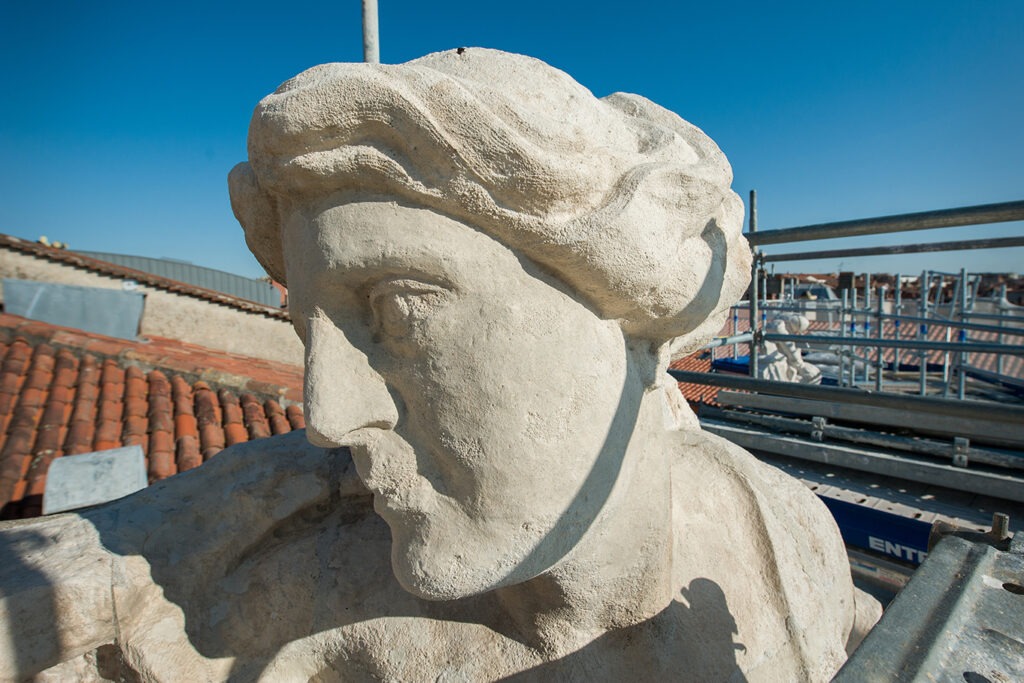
(120, 120)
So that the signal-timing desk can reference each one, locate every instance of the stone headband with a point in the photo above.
(620, 198)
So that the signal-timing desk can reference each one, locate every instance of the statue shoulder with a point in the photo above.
(756, 531)
(705, 457)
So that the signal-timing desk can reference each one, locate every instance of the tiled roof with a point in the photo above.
(696, 393)
(64, 392)
(103, 267)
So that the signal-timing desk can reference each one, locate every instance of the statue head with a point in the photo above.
(484, 262)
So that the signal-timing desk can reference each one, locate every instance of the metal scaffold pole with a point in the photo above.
(754, 282)
(371, 40)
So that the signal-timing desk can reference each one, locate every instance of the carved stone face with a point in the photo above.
(474, 393)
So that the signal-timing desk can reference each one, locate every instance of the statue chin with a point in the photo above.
(435, 571)
(417, 574)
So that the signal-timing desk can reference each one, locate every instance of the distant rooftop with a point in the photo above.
(259, 291)
(89, 261)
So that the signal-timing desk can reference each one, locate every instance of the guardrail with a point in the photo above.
(855, 322)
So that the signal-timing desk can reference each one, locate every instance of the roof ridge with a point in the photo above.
(167, 284)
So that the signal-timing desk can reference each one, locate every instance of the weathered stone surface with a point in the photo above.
(487, 266)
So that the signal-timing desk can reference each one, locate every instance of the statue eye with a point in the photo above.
(401, 307)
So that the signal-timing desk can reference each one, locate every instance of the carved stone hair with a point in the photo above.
(620, 198)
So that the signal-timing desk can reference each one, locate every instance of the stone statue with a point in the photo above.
(783, 361)
(487, 266)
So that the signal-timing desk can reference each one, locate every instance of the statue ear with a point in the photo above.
(256, 211)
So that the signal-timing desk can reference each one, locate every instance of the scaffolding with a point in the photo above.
(861, 318)
(927, 389)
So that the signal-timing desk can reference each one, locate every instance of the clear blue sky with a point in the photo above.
(120, 120)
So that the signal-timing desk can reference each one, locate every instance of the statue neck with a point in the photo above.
(620, 573)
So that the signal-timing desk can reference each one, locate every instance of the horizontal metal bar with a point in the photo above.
(967, 347)
(969, 409)
(871, 437)
(993, 243)
(726, 341)
(872, 313)
(1007, 486)
(818, 305)
(1004, 434)
(994, 377)
(1011, 331)
(925, 220)
(993, 316)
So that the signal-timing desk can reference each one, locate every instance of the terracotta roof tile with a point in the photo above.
(234, 426)
(28, 408)
(208, 416)
(295, 417)
(276, 417)
(58, 397)
(255, 417)
(110, 408)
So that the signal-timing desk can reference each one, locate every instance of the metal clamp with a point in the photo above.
(961, 447)
(998, 536)
(757, 338)
(818, 433)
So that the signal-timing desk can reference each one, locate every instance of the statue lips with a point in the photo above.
(387, 465)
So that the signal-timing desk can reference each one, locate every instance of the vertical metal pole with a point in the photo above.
(897, 308)
(753, 312)
(867, 324)
(842, 333)
(735, 331)
(961, 375)
(371, 39)
(853, 350)
(1002, 316)
(947, 372)
(922, 330)
(878, 334)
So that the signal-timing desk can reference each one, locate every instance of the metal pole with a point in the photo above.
(867, 324)
(973, 327)
(897, 306)
(725, 341)
(917, 248)
(926, 220)
(969, 409)
(961, 378)
(969, 347)
(946, 379)
(853, 350)
(842, 333)
(922, 330)
(878, 334)
(947, 373)
(753, 312)
(371, 37)
(735, 330)
(1002, 304)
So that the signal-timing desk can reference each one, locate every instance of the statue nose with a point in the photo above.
(343, 393)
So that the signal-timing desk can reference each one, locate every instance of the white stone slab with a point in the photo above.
(78, 481)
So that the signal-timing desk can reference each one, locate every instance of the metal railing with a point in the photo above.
(860, 349)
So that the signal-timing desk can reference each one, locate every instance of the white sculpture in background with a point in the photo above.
(487, 266)
(783, 361)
